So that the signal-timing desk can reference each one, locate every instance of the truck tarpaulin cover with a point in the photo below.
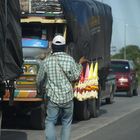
(11, 58)
(90, 27)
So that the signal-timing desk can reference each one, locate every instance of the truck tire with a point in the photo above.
(81, 111)
(110, 99)
(38, 116)
(93, 107)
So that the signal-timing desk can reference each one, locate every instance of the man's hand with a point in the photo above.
(82, 60)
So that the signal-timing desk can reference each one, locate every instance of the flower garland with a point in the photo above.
(87, 87)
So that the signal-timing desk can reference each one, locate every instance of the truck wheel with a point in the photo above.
(110, 99)
(81, 111)
(38, 117)
(93, 108)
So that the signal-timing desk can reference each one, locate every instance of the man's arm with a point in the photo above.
(76, 69)
(40, 74)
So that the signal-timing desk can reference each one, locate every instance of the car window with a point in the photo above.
(119, 66)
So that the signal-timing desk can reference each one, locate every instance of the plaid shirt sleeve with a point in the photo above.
(41, 73)
(75, 71)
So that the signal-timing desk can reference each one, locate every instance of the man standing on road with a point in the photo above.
(60, 70)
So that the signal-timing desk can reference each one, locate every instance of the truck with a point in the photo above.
(90, 31)
(87, 27)
(11, 56)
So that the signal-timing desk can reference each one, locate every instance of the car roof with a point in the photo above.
(121, 60)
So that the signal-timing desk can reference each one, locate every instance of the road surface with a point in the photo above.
(122, 108)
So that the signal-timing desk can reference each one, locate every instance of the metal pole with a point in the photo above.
(125, 39)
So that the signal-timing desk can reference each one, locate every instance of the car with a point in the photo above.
(125, 75)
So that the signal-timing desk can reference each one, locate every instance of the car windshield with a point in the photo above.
(119, 66)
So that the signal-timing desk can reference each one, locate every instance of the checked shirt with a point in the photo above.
(60, 70)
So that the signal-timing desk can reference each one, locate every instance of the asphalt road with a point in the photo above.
(126, 128)
(107, 125)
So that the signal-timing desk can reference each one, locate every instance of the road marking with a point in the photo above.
(105, 124)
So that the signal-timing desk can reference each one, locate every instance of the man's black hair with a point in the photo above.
(58, 48)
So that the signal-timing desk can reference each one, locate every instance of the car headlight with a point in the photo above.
(24, 69)
(30, 69)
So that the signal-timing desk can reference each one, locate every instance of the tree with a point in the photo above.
(132, 53)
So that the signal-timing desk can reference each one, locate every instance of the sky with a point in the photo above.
(126, 23)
